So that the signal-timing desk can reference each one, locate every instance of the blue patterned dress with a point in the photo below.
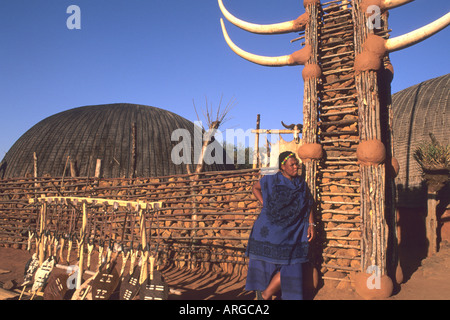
(279, 237)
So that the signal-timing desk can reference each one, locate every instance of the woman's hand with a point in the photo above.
(311, 232)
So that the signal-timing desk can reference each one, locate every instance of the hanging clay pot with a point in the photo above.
(310, 151)
(371, 152)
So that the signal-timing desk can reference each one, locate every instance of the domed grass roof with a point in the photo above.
(104, 132)
(418, 111)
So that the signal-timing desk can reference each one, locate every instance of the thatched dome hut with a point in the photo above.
(418, 111)
(131, 141)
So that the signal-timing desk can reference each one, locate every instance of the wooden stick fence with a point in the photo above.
(214, 237)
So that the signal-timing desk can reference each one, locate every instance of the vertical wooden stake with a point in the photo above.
(144, 266)
(35, 164)
(35, 173)
(431, 222)
(41, 233)
(73, 172)
(256, 154)
(133, 149)
(81, 253)
(98, 168)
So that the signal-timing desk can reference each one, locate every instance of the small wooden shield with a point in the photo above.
(104, 284)
(30, 269)
(42, 274)
(56, 287)
(84, 292)
(155, 289)
(129, 287)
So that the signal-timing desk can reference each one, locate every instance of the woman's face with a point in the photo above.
(290, 167)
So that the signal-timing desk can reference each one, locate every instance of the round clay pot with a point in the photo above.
(375, 44)
(370, 288)
(371, 152)
(367, 60)
(310, 151)
(311, 71)
(392, 167)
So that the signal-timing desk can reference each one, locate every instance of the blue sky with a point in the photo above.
(169, 53)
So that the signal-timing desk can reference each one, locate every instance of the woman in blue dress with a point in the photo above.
(279, 241)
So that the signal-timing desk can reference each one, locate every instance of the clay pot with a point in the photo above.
(300, 57)
(371, 152)
(311, 71)
(307, 2)
(309, 151)
(375, 44)
(366, 3)
(367, 60)
(392, 167)
(370, 288)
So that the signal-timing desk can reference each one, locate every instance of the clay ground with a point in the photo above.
(424, 278)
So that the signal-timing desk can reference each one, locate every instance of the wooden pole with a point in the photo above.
(35, 165)
(98, 168)
(35, 173)
(275, 131)
(209, 134)
(310, 96)
(133, 150)
(256, 155)
(375, 229)
(82, 239)
(387, 132)
(41, 234)
(144, 266)
(431, 222)
(73, 172)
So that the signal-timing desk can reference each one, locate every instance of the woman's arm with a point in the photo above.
(256, 189)
(311, 226)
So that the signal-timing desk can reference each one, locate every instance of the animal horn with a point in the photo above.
(297, 58)
(290, 127)
(276, 28)
(413, 37)
(391, 4)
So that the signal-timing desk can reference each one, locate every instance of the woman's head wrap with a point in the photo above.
(284, 156)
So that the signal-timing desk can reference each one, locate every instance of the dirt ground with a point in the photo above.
(425, 278)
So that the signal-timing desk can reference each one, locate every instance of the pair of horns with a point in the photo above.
(298, 24)
(277, 28)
